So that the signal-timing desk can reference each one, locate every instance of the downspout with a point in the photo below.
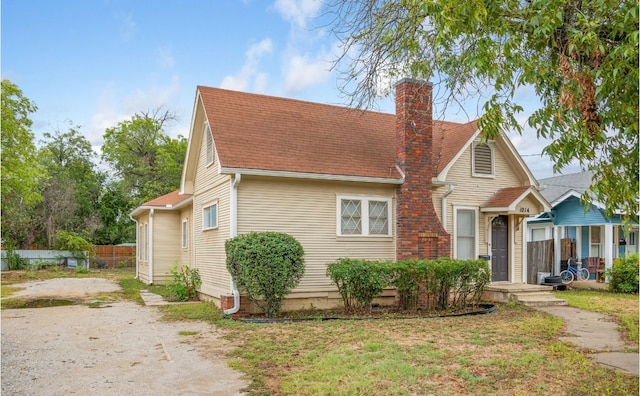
(137, 252)
(150, 236)
(234, 233)
(444, 205)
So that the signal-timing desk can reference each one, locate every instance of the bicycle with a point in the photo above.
(573, 273)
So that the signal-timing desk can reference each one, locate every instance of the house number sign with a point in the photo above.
(523, 210)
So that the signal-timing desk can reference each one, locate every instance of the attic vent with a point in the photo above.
(209, 143)
(482, 160)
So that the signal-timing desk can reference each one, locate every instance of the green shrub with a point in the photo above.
(14, 261)
(442, 284)
(408, 276)
(186, 282)
(359, 281)
(266, 265)
(623, 277)
(76, 244)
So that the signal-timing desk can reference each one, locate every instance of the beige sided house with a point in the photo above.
(344, 183)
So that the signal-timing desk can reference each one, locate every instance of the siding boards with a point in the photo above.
(166, 243)
(307, 211)
(208, 246)
(473, 191)
(209, 252)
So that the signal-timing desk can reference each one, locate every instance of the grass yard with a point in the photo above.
(513, 351)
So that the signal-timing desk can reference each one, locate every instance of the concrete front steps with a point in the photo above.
(521, 293)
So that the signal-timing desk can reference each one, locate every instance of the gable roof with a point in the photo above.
(257, 133)
(507, 199)
(171, 201)
(277, 134)
(449, 138)
(556, 188)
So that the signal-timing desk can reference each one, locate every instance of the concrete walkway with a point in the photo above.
(598, 335)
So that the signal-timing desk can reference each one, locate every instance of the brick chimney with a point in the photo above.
(419, 232)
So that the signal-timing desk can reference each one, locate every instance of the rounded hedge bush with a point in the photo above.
(266, 266)
(623, 277)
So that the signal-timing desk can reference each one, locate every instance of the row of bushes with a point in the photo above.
(442, 284)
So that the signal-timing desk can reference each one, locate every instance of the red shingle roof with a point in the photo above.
(448, 140)
(505, 197)
(260, 132)
(167, 200)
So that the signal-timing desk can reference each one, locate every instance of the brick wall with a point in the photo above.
(419, 232)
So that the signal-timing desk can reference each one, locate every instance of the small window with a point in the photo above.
(210, 217)
(140, 246)
(538, 234)
(145, 251)
(364, 216)
(209, 143)
(482, 159)
(184, 234)
(596, 241)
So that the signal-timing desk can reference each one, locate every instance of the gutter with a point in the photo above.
(452, 186)
(314, 176)
(234, 233)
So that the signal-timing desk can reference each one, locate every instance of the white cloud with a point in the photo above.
(249, 71)
(298, 12)
(301, 73)
(151, 97)
(165, 58)
(113, 107)
(127, 26)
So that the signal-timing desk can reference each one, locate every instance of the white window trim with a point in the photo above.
(365, 215)
(476, 246)
(208, 145)
(493, 160)
(204, 207)
(546, 228)
(185, 234)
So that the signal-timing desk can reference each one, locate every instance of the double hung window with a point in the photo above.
(210, 217)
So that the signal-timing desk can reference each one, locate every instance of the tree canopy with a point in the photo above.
(144, 157)
(579, 57)
(71, 190)
(20, 171)
(60, 189)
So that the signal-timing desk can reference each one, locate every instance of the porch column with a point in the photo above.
(608, 246)
(556, 250)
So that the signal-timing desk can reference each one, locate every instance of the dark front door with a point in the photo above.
(500, 249)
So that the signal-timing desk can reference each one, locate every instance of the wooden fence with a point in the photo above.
(110, 256)
(539, 259)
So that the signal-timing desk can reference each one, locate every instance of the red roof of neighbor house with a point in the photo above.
(168, 200)
(261, 132)
(505, 197)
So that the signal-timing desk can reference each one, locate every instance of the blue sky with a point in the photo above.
(94, 63)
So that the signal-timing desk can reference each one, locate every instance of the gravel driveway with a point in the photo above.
(119, 349)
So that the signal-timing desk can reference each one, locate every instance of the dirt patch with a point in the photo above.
(119, 348)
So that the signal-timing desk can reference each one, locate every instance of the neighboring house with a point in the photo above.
(344, 183)
(595, 235)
